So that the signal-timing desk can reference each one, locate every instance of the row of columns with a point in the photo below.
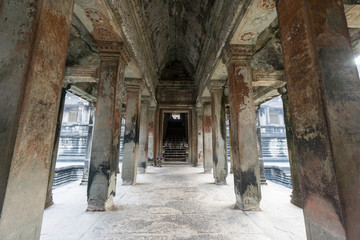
(324, 116)
(321, 113)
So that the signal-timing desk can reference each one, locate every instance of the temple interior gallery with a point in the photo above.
(176, 71)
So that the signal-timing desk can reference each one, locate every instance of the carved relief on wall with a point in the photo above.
(266, 4)
(177, 96)
(247, 36)
(353, 17)
(95, 16)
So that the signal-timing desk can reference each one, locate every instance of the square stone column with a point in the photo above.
(151, 145)
(32, 62)
(49, 196)
(84, 180)
(294, 169)
(259, 148)
(218, 124)
(105, 144)
(200, 133)
(324, 99)
(207, 138)
(243, 134)
(132, 127)
(144, 134)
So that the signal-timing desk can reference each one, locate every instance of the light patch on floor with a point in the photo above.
(174, 202)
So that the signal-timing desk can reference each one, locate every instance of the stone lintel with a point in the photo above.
(80, 74)
(238, 53)
(216, 85)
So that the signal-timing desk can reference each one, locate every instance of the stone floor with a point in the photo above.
(173, 202)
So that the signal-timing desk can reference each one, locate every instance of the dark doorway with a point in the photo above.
(175, 144)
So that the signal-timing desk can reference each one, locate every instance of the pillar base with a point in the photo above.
(127, 182)
(297, 202)
(84, 182)
(263, 181)
(248, 204)
(207, 171)
(141, 170)
(220, 182)
(101, 206)
(48, 203)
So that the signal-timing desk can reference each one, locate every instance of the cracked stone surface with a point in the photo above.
(174, 202)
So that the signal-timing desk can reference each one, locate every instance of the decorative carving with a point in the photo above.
(103, 32)
(113, 49)
(84, 2)
(247, 36)
(353, 17)
(266, 4)
(95, 16)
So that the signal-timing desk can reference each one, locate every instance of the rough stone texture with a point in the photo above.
(324, 95)
(260, 149)
(200, 138)
(31, 71)
(105, 146)
(84, 180)
(294, 169)
(49, 197)
(218, 124)
(151, 145)
(208, 153)
(131, 134)
(178, 30)
(242, 112)
(143, 136)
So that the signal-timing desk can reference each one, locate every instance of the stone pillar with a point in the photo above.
(242, 113)
(84, 180)
(259, 148)
(151, 145)
(207, 140)
(200, 133)
(294, 169)
(193, 136)
(218, 124)
(324, 96)
(49, 196)
(105, 144)
(144, 134)
(32, 62)
(131, 135)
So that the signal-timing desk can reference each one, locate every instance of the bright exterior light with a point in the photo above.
(357, 60)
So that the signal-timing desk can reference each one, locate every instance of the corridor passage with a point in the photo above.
(173, 202)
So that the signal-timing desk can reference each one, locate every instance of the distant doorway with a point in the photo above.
(175, 139)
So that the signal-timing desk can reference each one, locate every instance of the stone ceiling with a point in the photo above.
(178, 29)
(161, 35)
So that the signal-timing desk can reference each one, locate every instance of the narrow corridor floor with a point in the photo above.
(173, 202)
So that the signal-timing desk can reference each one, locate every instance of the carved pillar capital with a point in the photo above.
(238, 53)
(145, 100)
(112, 50)
(134, 84)
(205, 100)
(216, 85)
